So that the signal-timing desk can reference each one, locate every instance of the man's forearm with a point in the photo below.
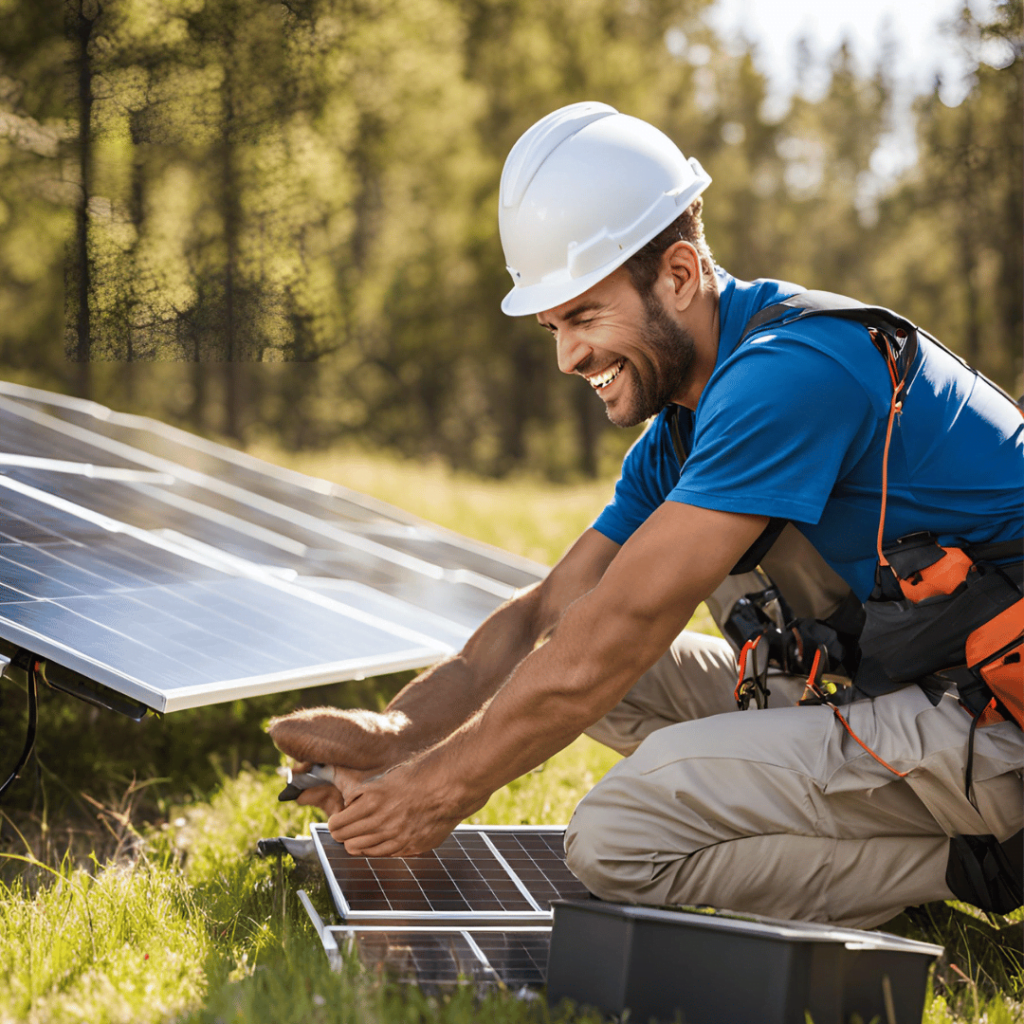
(440, 700)
(558, 692)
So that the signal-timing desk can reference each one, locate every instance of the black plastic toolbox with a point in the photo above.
(717, 968)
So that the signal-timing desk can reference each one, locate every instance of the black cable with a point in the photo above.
(30, 735)
(969, 769)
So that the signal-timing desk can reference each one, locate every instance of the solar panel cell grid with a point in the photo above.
(421, 958)
(517, 958)
(447, 957)
(539, 860)
(143, 605)
(460, 876)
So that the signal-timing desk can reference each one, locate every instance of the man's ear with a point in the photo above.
(681, 269)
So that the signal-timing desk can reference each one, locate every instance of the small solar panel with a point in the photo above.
(439, 958)
(178, 572)
(477, 908)
(478, 872)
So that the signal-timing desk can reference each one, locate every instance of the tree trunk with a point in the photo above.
(966, 232)
(197, 409)
(232, 216)
(80, 30)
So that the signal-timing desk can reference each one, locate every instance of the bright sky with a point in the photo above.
(777, 24)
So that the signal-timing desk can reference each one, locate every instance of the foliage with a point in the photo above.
(954, 227)
(280, 216)
(117, 943)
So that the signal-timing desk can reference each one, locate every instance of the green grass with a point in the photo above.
(194, 927)
(146, 904)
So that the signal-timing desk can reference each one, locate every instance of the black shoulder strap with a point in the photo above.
(817, 303)
(889, 331)
(753, 555)
(887, 328)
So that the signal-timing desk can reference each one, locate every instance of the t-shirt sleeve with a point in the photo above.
(778, 425)
(649, 471)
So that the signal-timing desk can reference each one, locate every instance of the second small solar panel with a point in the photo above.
(430, 956)
(478, 871)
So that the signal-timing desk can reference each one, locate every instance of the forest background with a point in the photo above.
(277, 221)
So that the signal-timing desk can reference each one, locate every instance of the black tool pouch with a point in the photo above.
(902, 642)
(986, 873)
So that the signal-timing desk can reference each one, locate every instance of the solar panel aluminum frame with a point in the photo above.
(471, 919)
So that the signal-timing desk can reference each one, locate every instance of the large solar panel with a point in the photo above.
(178, 572)
(476, 909)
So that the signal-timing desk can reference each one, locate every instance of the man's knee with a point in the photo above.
(589, 854)
(612, 841)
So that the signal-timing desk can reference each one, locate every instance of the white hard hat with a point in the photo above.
(582, 190)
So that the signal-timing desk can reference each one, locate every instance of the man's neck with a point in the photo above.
(704, 326)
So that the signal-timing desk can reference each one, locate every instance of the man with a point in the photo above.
(821, 812)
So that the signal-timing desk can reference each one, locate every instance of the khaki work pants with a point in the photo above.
(779, 811)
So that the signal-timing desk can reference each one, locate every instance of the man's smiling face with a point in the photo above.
(626, 346)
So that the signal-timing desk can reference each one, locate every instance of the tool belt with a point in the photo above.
(938, 609)
(941, 608)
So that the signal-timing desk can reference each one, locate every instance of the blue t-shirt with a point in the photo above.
(792, 424)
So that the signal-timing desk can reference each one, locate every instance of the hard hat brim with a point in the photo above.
(536, 298)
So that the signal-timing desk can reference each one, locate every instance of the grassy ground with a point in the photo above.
(145, 903)
(187, 924)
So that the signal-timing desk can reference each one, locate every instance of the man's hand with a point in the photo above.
(327, 796)
(405, 812)
(364, 740)
(439, 701)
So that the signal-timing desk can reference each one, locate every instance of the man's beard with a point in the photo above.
(669, 353)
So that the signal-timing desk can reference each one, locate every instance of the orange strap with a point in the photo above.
(749, 647)
(812, 685)
(895, 407)
(846, 725)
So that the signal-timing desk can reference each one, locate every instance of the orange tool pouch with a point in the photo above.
(994, 653)
(931, 570)
(940, 607)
